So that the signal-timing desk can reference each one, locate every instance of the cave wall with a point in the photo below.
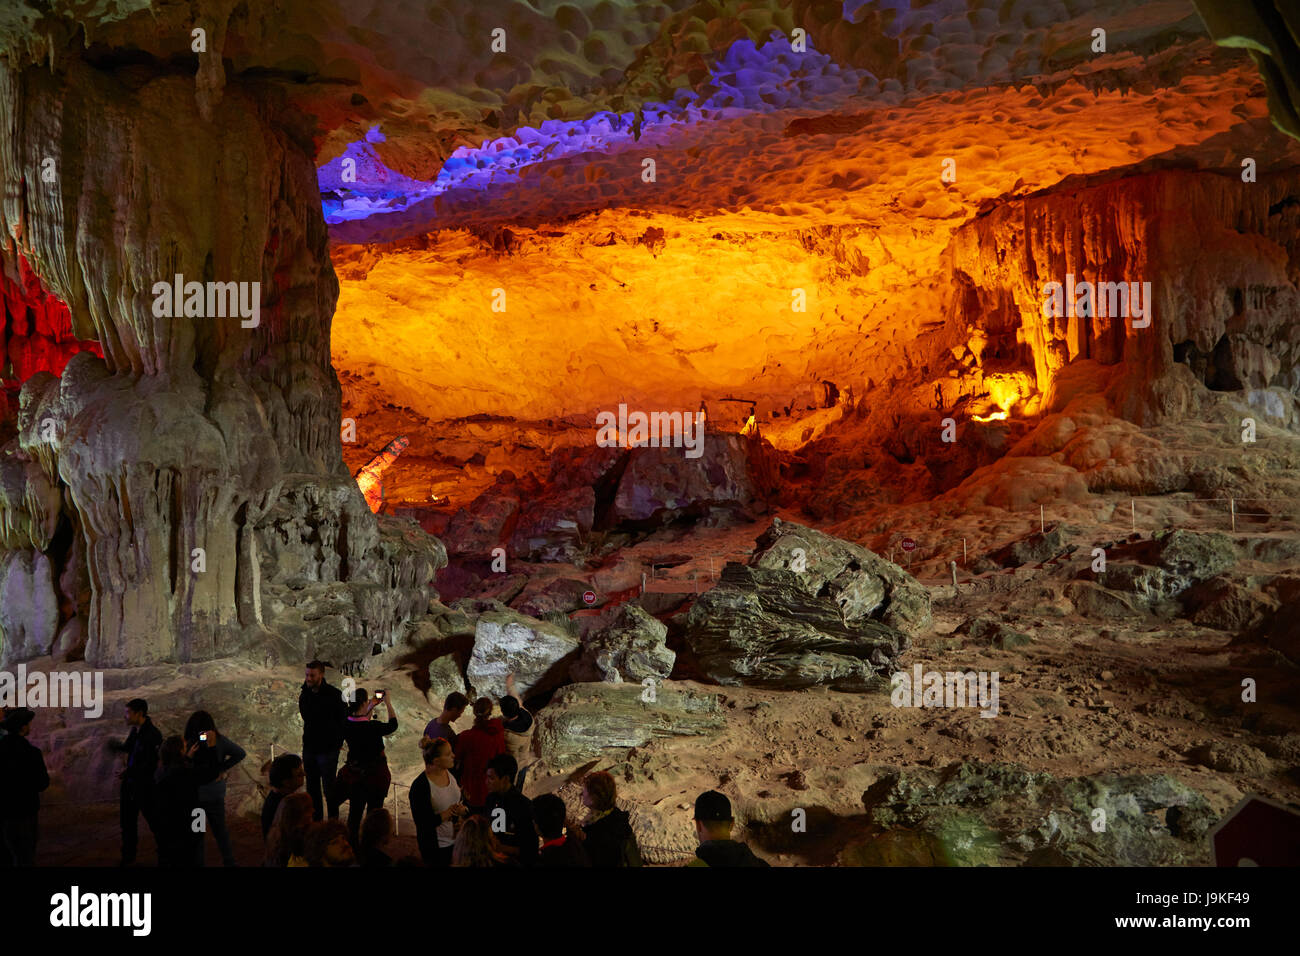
(1222, 257)
(190, 432)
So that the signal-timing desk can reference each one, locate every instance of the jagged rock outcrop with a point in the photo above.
(660, 484)
(537, 652)
(631, 648)
(1168, 575)
(808, 609)
(29, 611)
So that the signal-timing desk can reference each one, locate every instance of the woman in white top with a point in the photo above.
(436, 804)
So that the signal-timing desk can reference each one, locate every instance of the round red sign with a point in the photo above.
(909, 544)
(589, 597)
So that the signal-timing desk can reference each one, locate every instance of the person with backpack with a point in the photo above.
(474, 749)
(518, 725)
(365, 778)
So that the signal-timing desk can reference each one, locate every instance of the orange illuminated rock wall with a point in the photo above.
(663, 294)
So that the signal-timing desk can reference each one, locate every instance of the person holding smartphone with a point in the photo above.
(365, 778)
(221, 754)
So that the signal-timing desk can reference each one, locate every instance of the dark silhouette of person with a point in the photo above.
(179, 835)
(287, 776)
(23, 778)
(138, 794)
(713, 821)
(219, 750)
(558, 849)
(323, 713)
(510, 812)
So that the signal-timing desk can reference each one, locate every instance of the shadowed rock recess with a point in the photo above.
(884, 413)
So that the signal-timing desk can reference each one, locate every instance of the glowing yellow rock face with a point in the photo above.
(1006, 390)
(767, 258)
(370, 479)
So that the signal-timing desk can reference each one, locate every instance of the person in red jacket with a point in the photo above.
(474, 749)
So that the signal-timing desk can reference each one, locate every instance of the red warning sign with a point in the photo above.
(1257, 832)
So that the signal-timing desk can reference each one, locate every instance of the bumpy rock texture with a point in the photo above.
(584, 720)
(631, 648)
(808, 609)
(537, 652)
(973, 814)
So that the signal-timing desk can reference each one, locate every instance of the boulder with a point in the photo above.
(1033, 548)
(1093, 600)
(995, 633)
(809, 609)
(444, 678)
(762, 628)
(474, 533)
(1191, 555)
(562, 595)
(1228, 756)
(865, 584)
(661, 484)
(587, 720)
(1221, 604)
(537, 652)
(630, 648)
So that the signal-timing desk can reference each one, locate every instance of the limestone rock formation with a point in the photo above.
(808, 609)
(537, 652)
(585, 720)
(630, 648)
(198, 460)
(975, 813)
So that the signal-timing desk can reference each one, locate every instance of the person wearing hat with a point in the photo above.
(23, 777)
(713, 821)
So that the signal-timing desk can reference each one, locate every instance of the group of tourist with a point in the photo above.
(468, 803)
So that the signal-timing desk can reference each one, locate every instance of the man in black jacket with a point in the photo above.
(713, 822)
(138, 793)
(323, 713)
(22, 779)
(510, 812)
